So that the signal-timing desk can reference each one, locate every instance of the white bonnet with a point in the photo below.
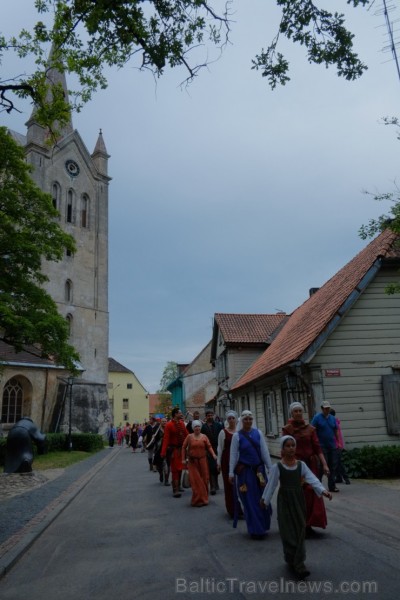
(284, 439)
(295, 405)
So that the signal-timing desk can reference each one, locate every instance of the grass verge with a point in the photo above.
(59, 460)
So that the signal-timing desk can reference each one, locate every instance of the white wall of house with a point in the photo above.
(365, 346)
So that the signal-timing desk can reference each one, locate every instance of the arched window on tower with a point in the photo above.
(70, 206)
(13, 396)
(68, 291)
(56, 195)
(85, 211)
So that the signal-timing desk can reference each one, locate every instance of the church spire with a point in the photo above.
(54, 77)
(100, 155)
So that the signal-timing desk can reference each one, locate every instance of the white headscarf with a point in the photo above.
(295, 405)
(284, 439)
(230, 413)
(245, 413)
(196, 424)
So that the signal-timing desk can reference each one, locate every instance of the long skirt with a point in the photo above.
(249, 491)
(199, 477)
(292, 521)
(315, 506)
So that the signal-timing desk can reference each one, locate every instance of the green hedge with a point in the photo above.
(85, 442)
(372, 462)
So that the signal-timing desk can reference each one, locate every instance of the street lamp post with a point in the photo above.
(70, 383)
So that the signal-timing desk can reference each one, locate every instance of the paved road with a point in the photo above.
(124, 536)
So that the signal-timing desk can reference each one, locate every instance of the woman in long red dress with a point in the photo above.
(309, 451)
(224, 449)
(194, 455)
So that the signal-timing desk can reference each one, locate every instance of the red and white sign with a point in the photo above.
(332, 373)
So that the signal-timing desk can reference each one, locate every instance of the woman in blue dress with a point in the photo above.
(249, 459)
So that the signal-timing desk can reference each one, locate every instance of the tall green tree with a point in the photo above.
(87, 36)
(169, 374)
(29, 233)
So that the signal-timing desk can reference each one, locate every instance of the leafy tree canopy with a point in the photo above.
(164, 405)
(169, 374)
(87, 36)
(29, 233)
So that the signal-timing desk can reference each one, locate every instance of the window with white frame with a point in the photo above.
(270, 414)
(125, 404)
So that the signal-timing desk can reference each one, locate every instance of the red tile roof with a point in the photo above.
(309, 320)
(248, 329)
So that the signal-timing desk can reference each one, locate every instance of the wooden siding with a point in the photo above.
(364, 347)
(240, 360)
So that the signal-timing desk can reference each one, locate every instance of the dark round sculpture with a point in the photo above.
(19, 449)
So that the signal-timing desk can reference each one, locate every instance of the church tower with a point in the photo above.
(78, 183)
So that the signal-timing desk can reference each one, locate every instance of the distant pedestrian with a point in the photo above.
(127, 434)
(148, 433)
(211, 429)
(327, 433)
(341, 474)
(134, 437)
(111, 435)
(290, 473)
(120, 436)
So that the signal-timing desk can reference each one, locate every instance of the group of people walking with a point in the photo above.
(238, 451)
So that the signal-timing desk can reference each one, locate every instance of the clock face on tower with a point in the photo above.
(72, 168)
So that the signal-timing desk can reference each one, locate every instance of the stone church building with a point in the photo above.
(78, 182)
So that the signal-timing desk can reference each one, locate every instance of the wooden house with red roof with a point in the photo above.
(237, 341)
(341, 345)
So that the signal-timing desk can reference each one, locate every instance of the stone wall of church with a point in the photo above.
(79, 283)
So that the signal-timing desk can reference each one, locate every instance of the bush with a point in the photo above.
(372, 462)
(86, 442)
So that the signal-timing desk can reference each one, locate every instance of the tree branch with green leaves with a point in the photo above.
(87, 36)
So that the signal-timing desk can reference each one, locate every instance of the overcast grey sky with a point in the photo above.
(227, 196)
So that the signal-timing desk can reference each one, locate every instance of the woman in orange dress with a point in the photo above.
(194, 455)
(309, 451)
